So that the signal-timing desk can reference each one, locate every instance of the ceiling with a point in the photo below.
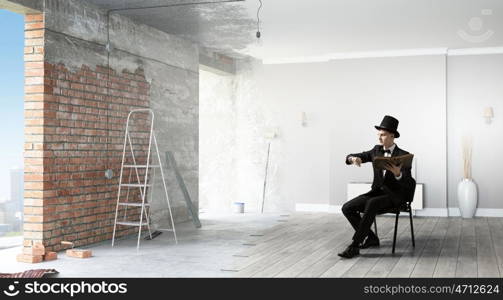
(310, 28)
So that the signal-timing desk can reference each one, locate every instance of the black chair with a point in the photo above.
(405, 207)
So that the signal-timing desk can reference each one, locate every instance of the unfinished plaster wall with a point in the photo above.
(217, 127)
(80, 112)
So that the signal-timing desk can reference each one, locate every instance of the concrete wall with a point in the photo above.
(475, 82)
(68, 65)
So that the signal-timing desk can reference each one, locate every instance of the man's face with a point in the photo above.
(385, 138)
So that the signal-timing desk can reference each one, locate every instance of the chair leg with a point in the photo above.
(412, 228)
(375, 227)
(394, 234)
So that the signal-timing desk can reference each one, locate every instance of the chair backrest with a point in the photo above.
(410, 196)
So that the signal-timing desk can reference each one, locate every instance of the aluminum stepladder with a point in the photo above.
(142, 185)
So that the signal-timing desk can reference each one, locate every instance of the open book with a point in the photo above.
(405, 160)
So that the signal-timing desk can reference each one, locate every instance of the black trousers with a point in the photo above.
(368, 204)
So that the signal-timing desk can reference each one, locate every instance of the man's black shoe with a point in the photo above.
(350, 252)
(370, 243)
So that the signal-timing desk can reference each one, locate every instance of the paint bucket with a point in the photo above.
(239, 207)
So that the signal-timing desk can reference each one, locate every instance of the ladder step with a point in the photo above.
(137, 224)
(137, 204)
(141, 166)
(135, 184)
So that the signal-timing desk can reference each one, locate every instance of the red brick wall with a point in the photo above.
(34, 129)
(74, 130)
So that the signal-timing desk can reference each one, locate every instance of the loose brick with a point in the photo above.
(50, 255)
(79, 253)
(32, 251)
(32, 259)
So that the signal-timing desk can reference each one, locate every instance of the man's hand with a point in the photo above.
(356, 160)
(396, 170)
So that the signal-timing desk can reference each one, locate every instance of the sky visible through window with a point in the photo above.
(11, 97)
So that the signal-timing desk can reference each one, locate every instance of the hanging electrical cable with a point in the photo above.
(258, 19)
(108, 172)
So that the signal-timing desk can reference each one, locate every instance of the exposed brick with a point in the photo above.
(34, 34)
(33, 65)
(32, 259)
(33, 18)
(79, 253)
(34, 42)
(34, 89)
(33, 80)
(33, 226)
(31, 26)
(69, 140)
(34, 250)
(50, 255)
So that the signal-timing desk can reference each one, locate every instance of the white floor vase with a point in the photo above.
(467, 198)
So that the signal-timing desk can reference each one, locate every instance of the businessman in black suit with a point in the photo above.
(390, 188)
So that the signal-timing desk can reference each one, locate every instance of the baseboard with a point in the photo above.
(481, 212)
(426, 212)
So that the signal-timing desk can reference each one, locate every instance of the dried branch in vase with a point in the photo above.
(467, 157)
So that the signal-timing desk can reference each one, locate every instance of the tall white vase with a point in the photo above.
(467, 198)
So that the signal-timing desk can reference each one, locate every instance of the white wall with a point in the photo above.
(476, 82)
(343, 100)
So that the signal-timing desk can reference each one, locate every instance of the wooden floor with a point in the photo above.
(306, 245)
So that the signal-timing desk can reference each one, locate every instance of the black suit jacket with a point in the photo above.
(401, 190)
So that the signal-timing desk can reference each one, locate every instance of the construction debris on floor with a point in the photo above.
(37, 273)
(35, 252)
(77, 253)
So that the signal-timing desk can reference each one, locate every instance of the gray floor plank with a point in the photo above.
(467, 258)
(386, 263)
(487, 262)
(283, 229)
(448, 259)
(328, 240)
(369, 257)
(292, 243)
(496, 232)
(308, 244)
(343, 233)
(426, 263)
(408, 260)
(321, 266)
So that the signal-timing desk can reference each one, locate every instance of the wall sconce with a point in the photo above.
(304, 119)
(488, 114)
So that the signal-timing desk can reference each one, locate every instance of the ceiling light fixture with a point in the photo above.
(258, 19)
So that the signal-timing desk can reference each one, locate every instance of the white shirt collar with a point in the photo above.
(390, 148)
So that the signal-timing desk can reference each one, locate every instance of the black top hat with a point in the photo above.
(390, 124)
